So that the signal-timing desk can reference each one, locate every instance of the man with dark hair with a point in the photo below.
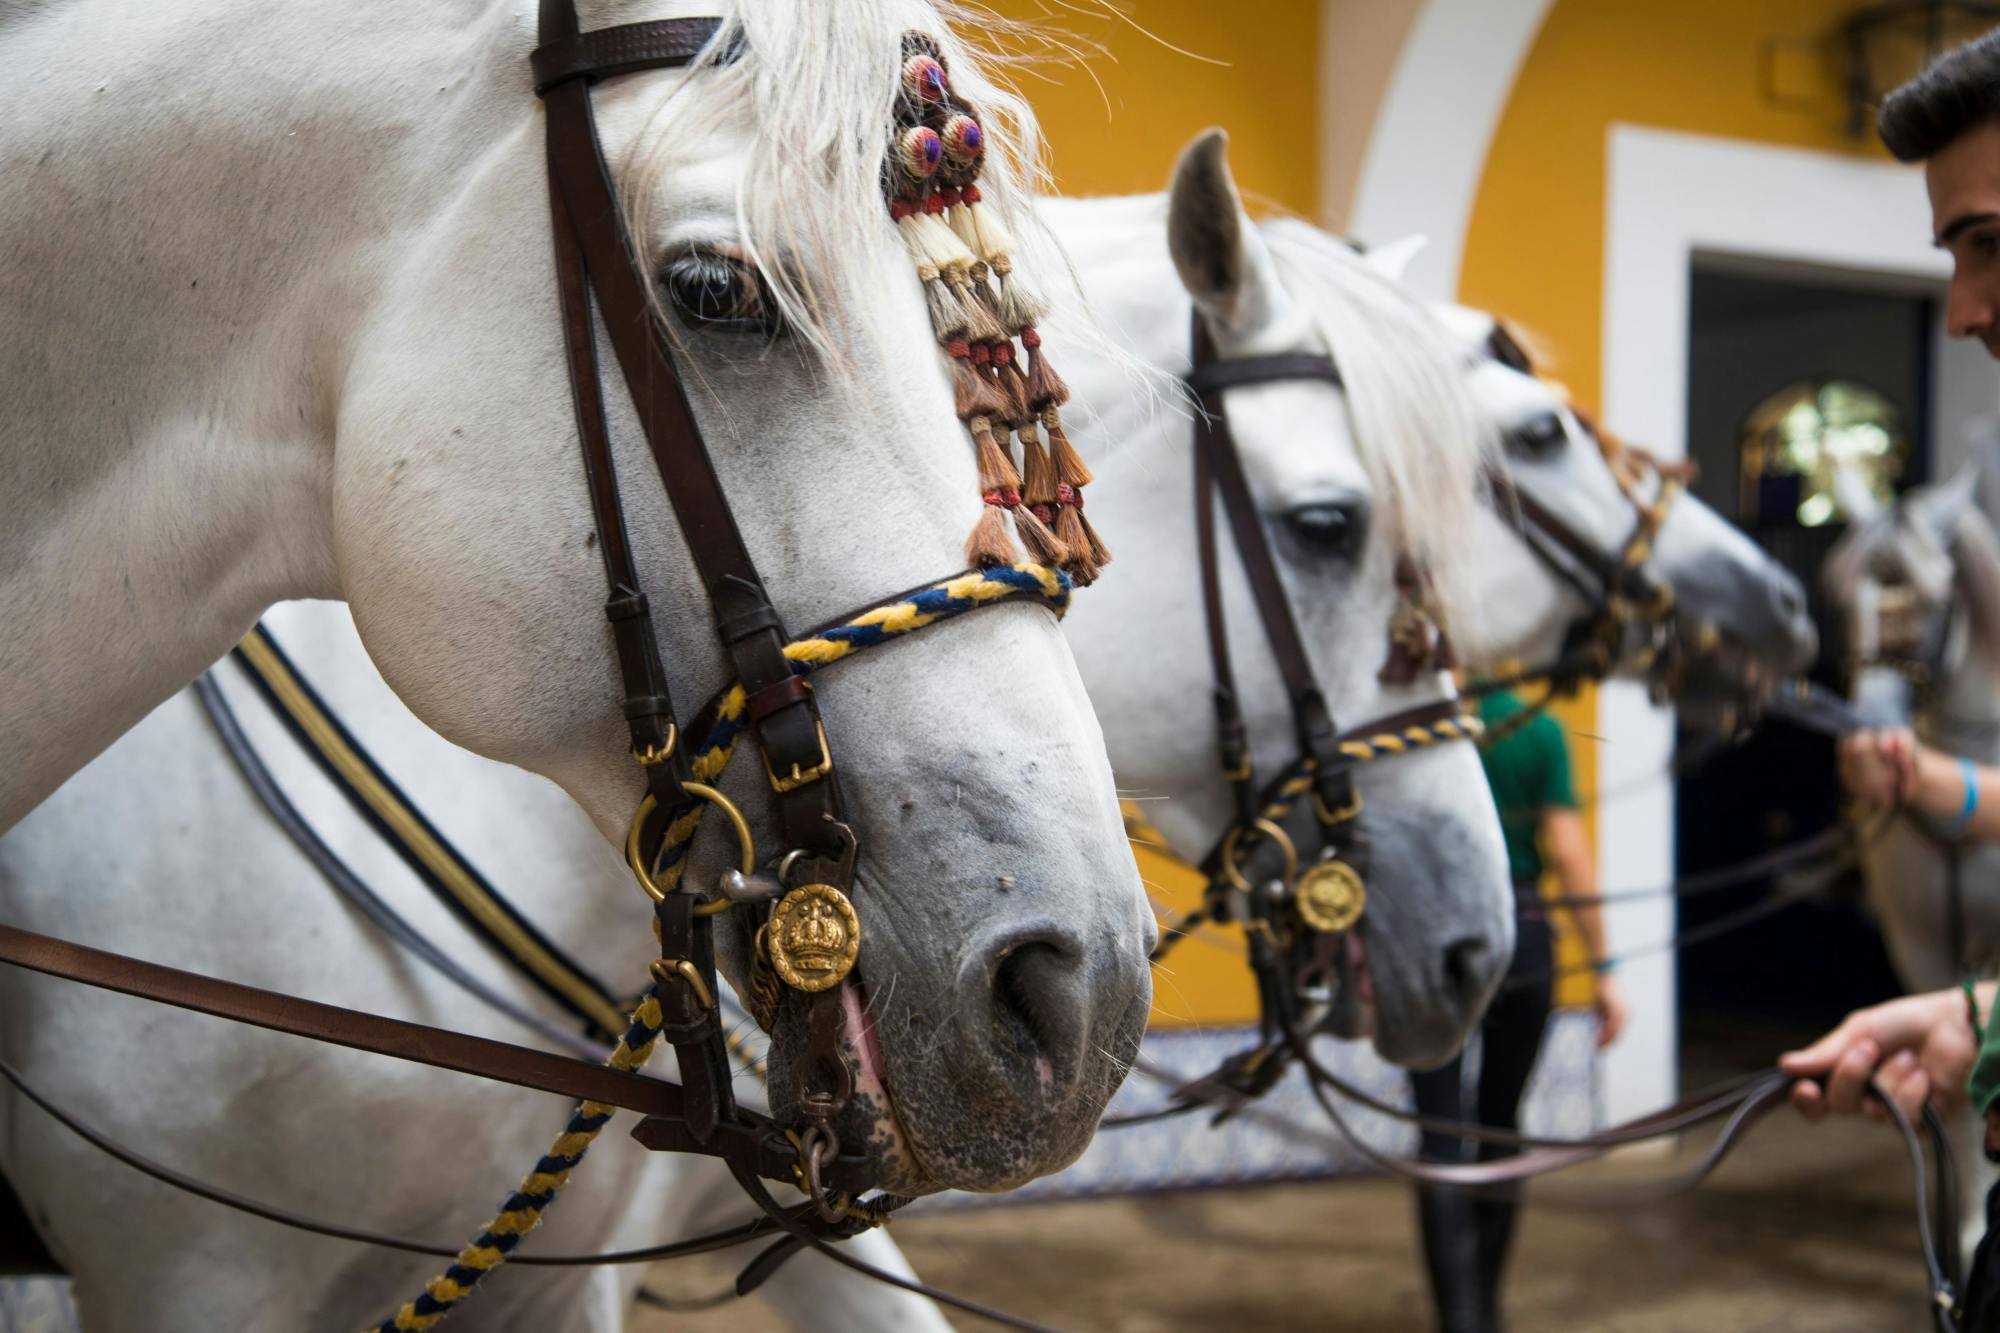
(1931, 1047)
(1948, 118)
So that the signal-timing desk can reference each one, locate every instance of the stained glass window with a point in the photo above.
(1793, 445)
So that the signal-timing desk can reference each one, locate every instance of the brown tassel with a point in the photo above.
(973, 394)
(1038, 470)
(1007, 377)
(1069, 464)
(1100, 554)
(1045, 387)
(1044, 548)
(1087, 554)
(980, 324)
(948, 318)
(996, 469)
(988, 543)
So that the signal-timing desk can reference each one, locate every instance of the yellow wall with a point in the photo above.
(1116, 125)
(1535, 247)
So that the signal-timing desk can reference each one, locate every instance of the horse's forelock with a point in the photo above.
(817, 85)
(1418, 428)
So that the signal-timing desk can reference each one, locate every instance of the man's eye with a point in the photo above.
(712, 291)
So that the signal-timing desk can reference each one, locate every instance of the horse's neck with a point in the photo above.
(199, 210)
(1143, 465)
(1966, 716)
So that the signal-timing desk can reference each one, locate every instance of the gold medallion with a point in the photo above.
(1331, 897)
(813, 937)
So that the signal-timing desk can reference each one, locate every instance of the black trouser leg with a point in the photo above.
(1444, 1216)
(1510, 1040)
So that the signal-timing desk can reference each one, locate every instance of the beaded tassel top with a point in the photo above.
(1008, 396)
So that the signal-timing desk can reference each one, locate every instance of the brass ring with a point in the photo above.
(747, 863)
(1340, 816)
(1234, 876)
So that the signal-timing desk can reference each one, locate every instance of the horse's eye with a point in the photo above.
(1502, 347)
(712, 291)
(1334, 529)
(1539, 436)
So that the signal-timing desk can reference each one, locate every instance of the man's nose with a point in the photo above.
(1968, 310)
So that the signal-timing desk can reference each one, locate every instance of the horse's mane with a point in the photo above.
(1421, 436)
(818, 82)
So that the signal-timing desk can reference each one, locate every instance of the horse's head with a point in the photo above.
(1915, 587)
(1002, 969)
(1352, 482)
(1732, 604)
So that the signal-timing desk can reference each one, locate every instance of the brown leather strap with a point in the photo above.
(752, 632)
(501, 1061)
(626, 49)
(1312, 721)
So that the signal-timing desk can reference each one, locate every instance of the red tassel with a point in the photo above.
(1070, 468)
(973, 394)
(1045, 388)
(988, 543)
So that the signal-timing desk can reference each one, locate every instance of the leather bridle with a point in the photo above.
(1292, 917)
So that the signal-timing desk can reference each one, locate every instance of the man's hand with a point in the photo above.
(1918, 1047)
(1610, 1009)
(1879, 766)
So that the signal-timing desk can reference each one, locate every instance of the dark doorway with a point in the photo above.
(1753, 337)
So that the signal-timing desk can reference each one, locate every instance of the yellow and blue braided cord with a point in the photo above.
(523, 1209)
(941, 601)
(522, 1212)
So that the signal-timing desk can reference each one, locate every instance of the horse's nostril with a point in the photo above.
(1468, 970)
(1025, 988)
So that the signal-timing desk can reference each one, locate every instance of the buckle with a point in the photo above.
(802, 777)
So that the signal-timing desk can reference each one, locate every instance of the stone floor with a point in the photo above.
(1808, 1228)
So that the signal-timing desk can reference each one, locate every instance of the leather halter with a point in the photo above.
(1289, 944)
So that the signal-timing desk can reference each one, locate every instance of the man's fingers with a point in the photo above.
(1808, 1100)
(1823, 1054)
(1846, 1087)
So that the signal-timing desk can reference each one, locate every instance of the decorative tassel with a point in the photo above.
(1044, 547)
(996, 469)
(1019, 308)
(948, 315)
(1069, 464)
(988, 544)
(1000, 489)
(973, 394)
(980, 323)
(1045, 388)
(1038, 497)
(1007, 377)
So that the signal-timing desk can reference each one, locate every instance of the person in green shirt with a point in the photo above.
(1466, 1237)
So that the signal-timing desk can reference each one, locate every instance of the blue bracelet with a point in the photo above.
(1970, 773)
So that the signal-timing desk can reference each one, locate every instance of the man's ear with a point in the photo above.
(1216, 249)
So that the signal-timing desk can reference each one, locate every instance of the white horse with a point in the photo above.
(280, 322)
(1916, 587)
(198, 832)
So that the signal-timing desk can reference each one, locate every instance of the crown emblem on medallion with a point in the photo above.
(814, 937)
(1331, 897)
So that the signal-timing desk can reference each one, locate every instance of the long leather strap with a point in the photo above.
(591, 232)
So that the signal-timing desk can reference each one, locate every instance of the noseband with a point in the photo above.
(1295, 916)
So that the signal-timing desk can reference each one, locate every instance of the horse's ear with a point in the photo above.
(1393, 260)
(1216, 249)
(1941, 506)
(1856, 500)
(1983, 436)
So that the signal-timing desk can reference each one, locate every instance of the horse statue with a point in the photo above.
(327, 359)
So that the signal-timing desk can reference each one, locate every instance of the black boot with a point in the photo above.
(1493, 1223)
(1451, 1254)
